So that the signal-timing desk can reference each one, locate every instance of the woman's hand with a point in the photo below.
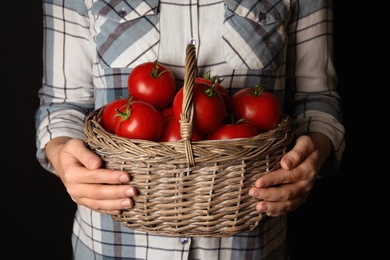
(87, 183)
(287, 188)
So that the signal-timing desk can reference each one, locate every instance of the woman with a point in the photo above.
(90, 47)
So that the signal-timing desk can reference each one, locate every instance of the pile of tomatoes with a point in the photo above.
(152, 110)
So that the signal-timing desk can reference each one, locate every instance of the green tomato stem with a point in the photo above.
(258, 90)
(155, 71)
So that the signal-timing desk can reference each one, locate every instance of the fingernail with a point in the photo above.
(124, 178)
(129, 193)
(288, 162)
(262, 208)
(254, 193)
(95, 163)
(125, 203)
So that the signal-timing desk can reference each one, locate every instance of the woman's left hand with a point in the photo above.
(285, 189)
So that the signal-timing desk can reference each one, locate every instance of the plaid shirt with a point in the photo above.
(91, 46)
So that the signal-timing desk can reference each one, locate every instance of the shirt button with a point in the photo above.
(122, 13)
(184, 240)
(262, 16)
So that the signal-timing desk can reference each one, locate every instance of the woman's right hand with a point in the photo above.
(87, 183)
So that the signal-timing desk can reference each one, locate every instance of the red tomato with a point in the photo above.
(171, 131)
(110, 113)
(209, 107)
(166, 112)
(239, 129)
(139, 120)
(260, 107)
(153, 83)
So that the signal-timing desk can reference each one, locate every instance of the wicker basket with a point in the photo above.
(191, 188)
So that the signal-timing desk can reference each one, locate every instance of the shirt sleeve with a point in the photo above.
(67, 92)
(311, 88)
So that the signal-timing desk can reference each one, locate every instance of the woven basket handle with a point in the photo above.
(187, 114)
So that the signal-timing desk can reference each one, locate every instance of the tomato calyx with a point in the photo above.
(216, 79)
(124, 114)
(156, 73)
(211, 82)
(234, 121)
(239, 121)
(211, 92)
(257, 90)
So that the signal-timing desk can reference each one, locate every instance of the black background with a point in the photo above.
(344, 218)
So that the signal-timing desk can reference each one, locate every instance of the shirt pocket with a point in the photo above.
(126, 32)
(254, 33)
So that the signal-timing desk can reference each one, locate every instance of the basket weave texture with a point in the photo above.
(191, 188)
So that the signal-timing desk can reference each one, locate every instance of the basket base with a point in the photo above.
(196, 229)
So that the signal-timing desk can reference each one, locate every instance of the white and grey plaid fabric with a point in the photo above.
(91, 46)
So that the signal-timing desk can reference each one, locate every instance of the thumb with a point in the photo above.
(297, 154)
(85, 156)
